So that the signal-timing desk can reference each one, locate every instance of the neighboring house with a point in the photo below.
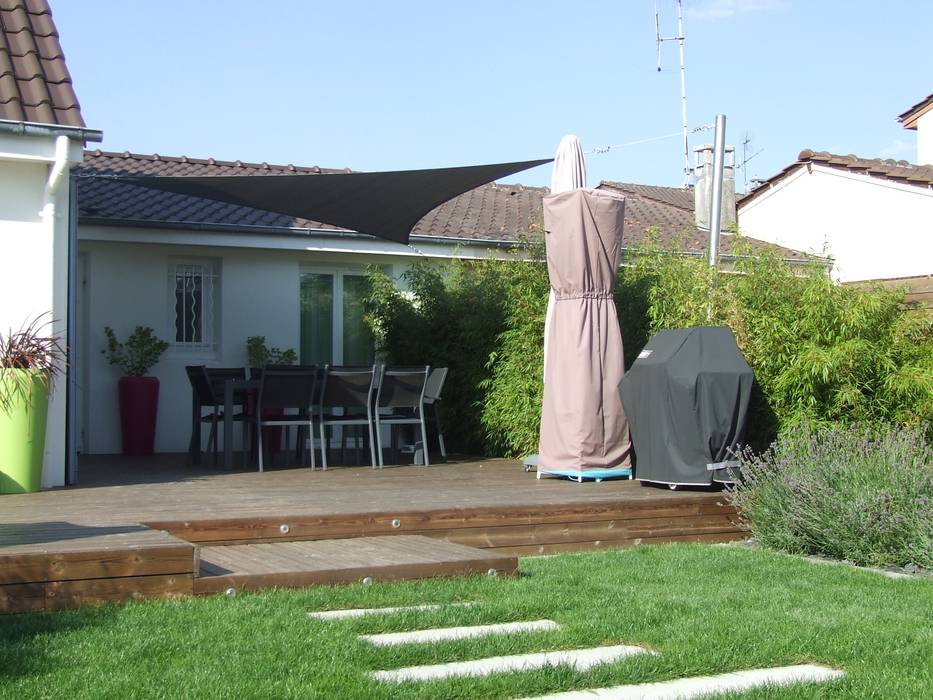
(42, 135)
(874, 216)
(919, 118)
(207, 275)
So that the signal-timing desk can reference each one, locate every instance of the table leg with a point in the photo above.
(228, 425)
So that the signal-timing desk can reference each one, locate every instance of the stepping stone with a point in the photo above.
(706, 686)
(448, 633)
(579, 659)
(363, 612)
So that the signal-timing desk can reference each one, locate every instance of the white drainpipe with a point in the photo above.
(55, 444)
(60, 168)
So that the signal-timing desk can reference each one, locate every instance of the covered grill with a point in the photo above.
(687, 399)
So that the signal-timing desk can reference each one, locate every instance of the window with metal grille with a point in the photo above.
(192, 286)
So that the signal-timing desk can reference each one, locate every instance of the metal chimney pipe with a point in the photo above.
(715, 214)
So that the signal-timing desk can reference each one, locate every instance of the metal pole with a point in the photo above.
(683, 90)
(715, 214)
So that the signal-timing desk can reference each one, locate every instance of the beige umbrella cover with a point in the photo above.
(583, 425)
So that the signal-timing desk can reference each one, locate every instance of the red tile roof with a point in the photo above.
(895, 170)
(35, 85)
(494, 212)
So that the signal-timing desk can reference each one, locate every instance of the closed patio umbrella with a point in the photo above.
(584, 432)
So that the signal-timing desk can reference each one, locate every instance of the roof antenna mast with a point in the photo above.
(688, 171)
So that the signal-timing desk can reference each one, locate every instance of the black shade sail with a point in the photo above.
(385, 204)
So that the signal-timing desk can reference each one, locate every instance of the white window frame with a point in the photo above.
(338, 273)
(207, 270)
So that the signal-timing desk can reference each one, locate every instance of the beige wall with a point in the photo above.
(925, 139)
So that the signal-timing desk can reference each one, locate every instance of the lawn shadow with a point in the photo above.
(25, 638)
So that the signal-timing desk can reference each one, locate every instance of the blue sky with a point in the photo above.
(411, 84)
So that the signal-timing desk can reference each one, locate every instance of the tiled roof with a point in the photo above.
(111, 200)
(35, 85)
(670, 211)
(675, 196)
(494, 212)
(895, 170)
(909, 118)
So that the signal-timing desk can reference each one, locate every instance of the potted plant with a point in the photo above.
(259, 355)
(30, 360)
(139, 394)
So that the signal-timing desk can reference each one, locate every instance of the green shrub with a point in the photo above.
(823, 353)
(259, 355)
(860, 493)
(514, 385)
(447, 315)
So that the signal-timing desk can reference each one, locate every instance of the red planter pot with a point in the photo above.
(139, 405)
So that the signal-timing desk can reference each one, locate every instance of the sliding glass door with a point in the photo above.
(332, 327)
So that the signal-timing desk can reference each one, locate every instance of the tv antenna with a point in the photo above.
(688, 171)
(745, 158)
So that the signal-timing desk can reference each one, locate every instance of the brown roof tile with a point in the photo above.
(35, 85)
(494, 212)
(896, 170)
(676, 196)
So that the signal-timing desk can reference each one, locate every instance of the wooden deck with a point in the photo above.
(149, 527)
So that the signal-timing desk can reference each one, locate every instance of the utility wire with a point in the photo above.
(599, 150)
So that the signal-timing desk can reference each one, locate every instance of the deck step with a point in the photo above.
(251, 567)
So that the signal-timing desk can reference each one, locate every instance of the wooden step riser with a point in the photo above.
(110, 563)
(477, 527)
(61, 595)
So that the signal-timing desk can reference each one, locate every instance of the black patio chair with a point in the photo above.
(401, 393)
(205, 395)
(350, 391)
(281, 389)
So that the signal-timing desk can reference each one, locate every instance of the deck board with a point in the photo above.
(257, 566)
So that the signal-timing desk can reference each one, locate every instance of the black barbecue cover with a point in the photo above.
(686, 398)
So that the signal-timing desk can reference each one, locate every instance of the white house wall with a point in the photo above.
(873, 228)
(925, 139)
(34, 264)
(127, 285)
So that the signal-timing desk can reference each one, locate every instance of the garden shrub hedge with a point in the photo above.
(823, 353)
(861, 493)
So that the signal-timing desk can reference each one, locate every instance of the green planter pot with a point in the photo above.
(22, 430)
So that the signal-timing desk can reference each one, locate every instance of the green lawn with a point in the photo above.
(705, 609)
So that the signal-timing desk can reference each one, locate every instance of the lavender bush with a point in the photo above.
(858, 493)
